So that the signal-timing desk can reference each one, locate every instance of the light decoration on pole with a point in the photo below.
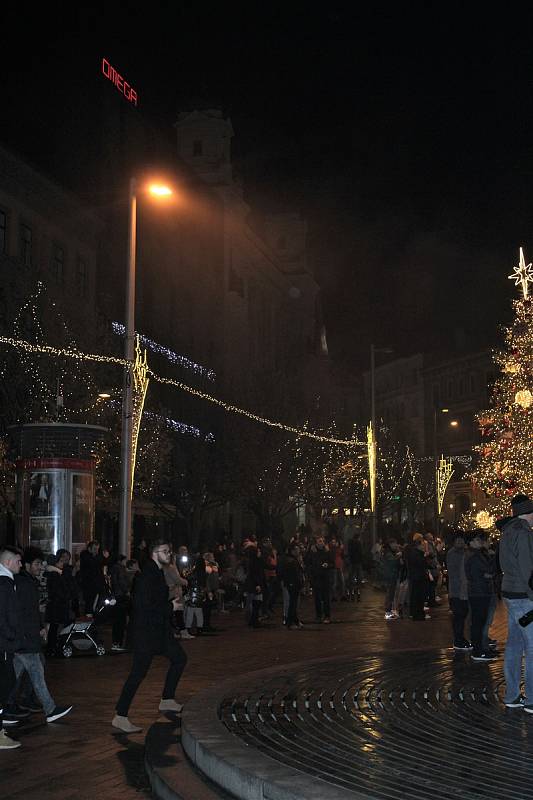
(371, 448)
(140, 387)
(443, 476)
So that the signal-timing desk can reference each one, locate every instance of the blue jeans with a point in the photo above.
(519, 643)
(31, 662)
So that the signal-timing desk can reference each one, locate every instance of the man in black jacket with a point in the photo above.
(479, 573)
(417, 573)
(319, 563)
(152, 634)
(10, 633)
(28, 654)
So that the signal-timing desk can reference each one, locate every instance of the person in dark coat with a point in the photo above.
(292, 576)
(152, 634)
(92, 576)
(62, 596)
(417, 572)
(319, 563)
(254, 585)
(28, 657)
(10, 633)
(479, 570)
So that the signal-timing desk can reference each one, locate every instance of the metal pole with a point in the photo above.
(374, 518)
(124, 536)
(435, 468)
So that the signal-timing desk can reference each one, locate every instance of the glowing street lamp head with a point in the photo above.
(159, 190)
(454, 423)
(104, 395)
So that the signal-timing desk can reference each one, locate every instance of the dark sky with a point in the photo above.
(404, 136)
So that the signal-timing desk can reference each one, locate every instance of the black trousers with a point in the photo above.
(459, 614)
(120, 619)
(418, 596)
(321, 592)
(7, 680)
(292, 613)
(140, 666)
(479, 606)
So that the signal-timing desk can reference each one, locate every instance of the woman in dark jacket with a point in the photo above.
(60, 605)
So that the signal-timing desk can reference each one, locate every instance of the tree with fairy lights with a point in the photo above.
(505, 465)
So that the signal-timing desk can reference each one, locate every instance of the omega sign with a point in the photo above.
(120, 83)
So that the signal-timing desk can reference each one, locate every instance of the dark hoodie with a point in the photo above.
(516, 557)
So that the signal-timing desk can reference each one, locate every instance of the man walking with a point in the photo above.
(516, 561)
(152, 633)
(28, 654)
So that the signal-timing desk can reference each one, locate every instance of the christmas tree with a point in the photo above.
(505, 465)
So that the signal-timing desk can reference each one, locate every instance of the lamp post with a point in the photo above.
(126, 464)
(373, 351)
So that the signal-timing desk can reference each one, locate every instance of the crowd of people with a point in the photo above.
(161, 596)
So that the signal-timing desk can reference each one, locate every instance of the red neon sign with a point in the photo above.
(120, 83)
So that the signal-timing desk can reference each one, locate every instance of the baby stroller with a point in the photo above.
(81, 635)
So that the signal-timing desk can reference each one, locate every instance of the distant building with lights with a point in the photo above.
(430, 402)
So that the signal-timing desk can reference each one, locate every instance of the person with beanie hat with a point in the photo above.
(516, 562)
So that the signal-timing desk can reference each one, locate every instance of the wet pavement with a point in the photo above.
(81, 757)
(406, 725)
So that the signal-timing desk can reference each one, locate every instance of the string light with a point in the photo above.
(169, 354)
(49, 350)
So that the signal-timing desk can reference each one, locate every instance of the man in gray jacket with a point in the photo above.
(516, 561)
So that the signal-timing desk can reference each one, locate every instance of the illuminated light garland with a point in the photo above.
(255, 417)
(44, 349)
(170, 355)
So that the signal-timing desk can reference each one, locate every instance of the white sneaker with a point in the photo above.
(117, 648)
(389, 615)
(124, 725)
(170, 705)
(427, 616)
(184, 634)
(6, 743)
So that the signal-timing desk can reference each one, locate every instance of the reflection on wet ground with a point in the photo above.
(413, 725)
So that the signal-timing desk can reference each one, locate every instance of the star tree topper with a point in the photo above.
(522, 274)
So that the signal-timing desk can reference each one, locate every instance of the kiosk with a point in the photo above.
(55, 492)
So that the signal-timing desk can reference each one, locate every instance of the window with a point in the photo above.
(3, 231)
(25, 245)
(58, 263)
(197, 147)
(81, 278)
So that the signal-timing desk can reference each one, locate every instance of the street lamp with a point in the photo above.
(126, 468)
(373, 351)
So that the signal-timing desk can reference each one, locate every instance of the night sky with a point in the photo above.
(404, 137)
